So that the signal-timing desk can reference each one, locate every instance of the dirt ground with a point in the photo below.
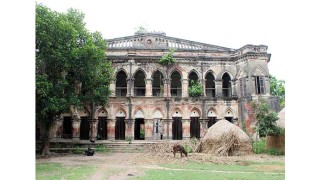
(122, 165)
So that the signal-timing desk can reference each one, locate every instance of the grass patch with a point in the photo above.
(275, 167)
(57, 171)
(174, 174)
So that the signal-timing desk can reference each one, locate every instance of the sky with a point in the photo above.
(231, 24)
(290, 29)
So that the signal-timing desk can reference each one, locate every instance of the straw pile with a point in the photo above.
(225, 139)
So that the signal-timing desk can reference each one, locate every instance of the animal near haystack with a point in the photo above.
(225, 139)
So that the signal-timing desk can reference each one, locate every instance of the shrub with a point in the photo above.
(275, 152)
(259, 146)
(195, 90)
(187, 148)
(167, 59)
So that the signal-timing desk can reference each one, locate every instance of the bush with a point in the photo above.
(275, 152)
(195, 90)
(101, 148)
(187, 148)
(259, 146)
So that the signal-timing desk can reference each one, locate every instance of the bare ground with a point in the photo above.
(123, 165)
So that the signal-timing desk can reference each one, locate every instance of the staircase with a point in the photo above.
(126, 147)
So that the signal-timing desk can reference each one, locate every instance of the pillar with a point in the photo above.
(111, 126)
(233, 86)
(129, 124)
(112, 88)
(76, 128)
(148, 127)
(148, 87)
(94, 129)
(186, 129)
(218, 84)
(184, 85)
(166, 88)
(130, 89)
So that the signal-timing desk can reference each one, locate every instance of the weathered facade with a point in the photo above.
(150, 101)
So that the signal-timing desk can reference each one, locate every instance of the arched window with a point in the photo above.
(121, 84)
(226, 85)
(139, 84)
(176, 84)
(259, 82)
(157, 84)
(210, 86)
(192, 77)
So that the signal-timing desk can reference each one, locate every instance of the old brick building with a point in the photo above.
(150, 101)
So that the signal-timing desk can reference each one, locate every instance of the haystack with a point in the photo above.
(225, 139)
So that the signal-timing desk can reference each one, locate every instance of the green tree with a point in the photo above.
(70, 67)
(266, 119)
(277, 88)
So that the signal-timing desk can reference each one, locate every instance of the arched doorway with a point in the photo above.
(67, 127)
(177, 126)
(194, 124)
(139, 126)
(84, 128)
(102, 125)
(229, 116)
(157, 125)
(120, 126)
(212, 118)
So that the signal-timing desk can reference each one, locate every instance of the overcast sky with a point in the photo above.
(231, 24)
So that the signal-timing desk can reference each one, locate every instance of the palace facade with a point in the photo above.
(150, 101)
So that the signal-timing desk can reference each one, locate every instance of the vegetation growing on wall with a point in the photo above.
(167, 58)
(195, 90)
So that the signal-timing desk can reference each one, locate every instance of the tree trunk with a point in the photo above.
(46, 143)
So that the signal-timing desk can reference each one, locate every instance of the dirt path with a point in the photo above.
(118, 166)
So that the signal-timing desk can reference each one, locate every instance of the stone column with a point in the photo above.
(186, 129)
(58, 128)
(148, 127)
(76, 128)
(148, 87)
(111, 126)
(129, 133)
(94, 128)
(204, 87)
(218, 88)
(233, 86)
(267, 85)
(166, 88)
(252, 85)
(128, 87)
(167, 126)
(112, 87)
(184, 85)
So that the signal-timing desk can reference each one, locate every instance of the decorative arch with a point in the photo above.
(120, 69)
(140, 69)
(160, 70)
(176, 69)
(210, 71)
(229, 73)
(241, 73)
(121, 113)
(259, 71)
(195, 71)
(229, 113)
(176, 112)
(84, 112)
(212, 113)
(139, 113)
(101, 112)
(195, 112)
(157, 114)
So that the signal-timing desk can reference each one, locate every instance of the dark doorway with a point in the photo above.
(139, 131)
(102, 128)
(84, 128)
(212, 121)
(194, 127)
(120, 129)
(67, 128)
(177, 128)
(229, 119)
